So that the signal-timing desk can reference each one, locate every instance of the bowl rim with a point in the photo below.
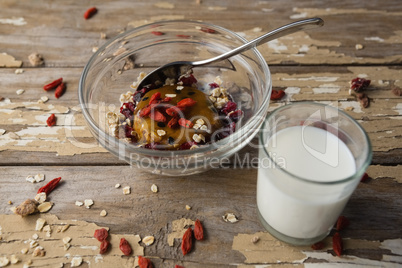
(169, 153)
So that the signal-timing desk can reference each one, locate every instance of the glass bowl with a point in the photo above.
(116, 65)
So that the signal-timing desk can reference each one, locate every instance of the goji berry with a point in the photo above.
(277, 94)
(144, 262)
(51, 120)
(125, 247)
(337, 244)
(157, 116)
(145, 111)
(342, 223)
(359, 84)
(157, 33)
(187, 241)
(365, 177)
(104, 247)
(185, 123)
(154, 98)
(173, 122)
(90, 12)
(187, 102)
(101, 234)
(60, 90)
(50, 186)
(207, 30)
(318, 245)
(198, 230)
(173, 111)
(178, 266)
(53, 84)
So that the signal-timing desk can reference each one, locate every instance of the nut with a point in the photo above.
(255, 239)
(35, 59)
(45, 207)
(27, 207)
(148, 240)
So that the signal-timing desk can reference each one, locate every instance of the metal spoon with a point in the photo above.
(175, 69)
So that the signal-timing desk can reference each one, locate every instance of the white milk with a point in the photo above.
(292, 206)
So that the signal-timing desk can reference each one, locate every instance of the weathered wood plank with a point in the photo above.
(65, 39)
(374, 209)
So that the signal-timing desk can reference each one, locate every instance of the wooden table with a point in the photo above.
(360, 38)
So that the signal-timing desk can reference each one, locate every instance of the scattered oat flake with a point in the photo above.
(35, 236)
(14, 259)
(170, 95)
(39, 177)
(45, 207)
(148, 240)
(19, 71)
(78, 203)
(76, 261)
(39, 224)
(30, 179)
(24, 250)
(88, 203)
(66, 246)
(63, 228)
(41, 197)
(119, 51)
(117, 185)
(39, 252)
(188, 207)
(94, 49)
(2, 131)
(66, 239)
(127, 190)
(4, 261)
(154, 188)
(161, 132)
(257, 29)
(359, 46)
(103, 213)
(350, 108)
(255, 239)
(44, 99)
(179, 87)
(103, 36)
(230, 217)
(20, 91)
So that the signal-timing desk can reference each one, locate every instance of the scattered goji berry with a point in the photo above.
(187, 241)
(90, 12)
(342, 223)
(207, 30)
(365, 177)
(337, 244)
(198, 230)
(277, 94)
(104, 247)
(359, 84)
(49, 187)
(166, 99)
(101, 234)
(53, 84)
(173, 122)
(154, 98)
(318, 246)
(145, 111)
(60, 90)
(178, 266)
(125, 247)
(51, 120)
(144, 262)
(157, 33)
(157, 116)
(185, 123)
(187, 102)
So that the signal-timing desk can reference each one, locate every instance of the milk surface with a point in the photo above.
(303, 209)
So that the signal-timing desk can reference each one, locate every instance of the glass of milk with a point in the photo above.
(312, 157)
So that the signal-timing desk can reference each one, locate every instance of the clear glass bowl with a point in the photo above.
(118, 63)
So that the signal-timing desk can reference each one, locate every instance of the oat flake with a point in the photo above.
(127, 190)
(148, 240)
(20, 91)
(154, 188)
(230, 217)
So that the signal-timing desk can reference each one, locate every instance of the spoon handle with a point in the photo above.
(279, 32)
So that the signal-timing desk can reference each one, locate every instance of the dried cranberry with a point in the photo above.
(213, 85)
(126, 112)
(236, 115)
(229, 107)
(359, 84)
(130, 106)
(188, 80)
(187, 145)
(152, 145)
(127, 131)
(226, 131)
